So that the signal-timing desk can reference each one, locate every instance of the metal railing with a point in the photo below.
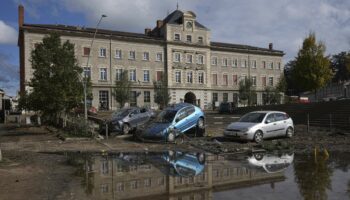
(329, 121)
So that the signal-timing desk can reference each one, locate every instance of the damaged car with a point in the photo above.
(173, 122)
(128, 119)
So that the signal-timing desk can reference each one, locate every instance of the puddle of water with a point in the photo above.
(189, 175)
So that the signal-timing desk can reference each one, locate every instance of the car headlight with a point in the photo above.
(245, 130)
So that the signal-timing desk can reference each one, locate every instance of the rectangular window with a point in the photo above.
(254, 80)
(132, 55)
(146, 75)
(200, 59)
(103, 52)
(225, 62)
(225, 97)
(86, 51)
(103, 74)
(263, 64)
(224, 79)
(188, 58)
(177, 57)
(132, 74)
(177, 37)
(87, 72)
(188, 38)
(254, 64)
(159, 75)
(118, 54)
(120, 187)
(279, 66)
(161, 181)
(147, 182)
(270, 66)
(178, 77)
(104, 166)
(147, 96)
(201, 77)
(133, 98)
(263, 81)
(200, 40)
(234, 63)
(118, 74)
(270, 81)
(159, 57)
(133, 184)
(214, 61)
(234, 79)
(244, 63)
(215, 97)
(189, 77)
(103, 100)
(145, 55)
(215, 79)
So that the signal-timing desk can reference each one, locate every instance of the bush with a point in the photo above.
(78, 127)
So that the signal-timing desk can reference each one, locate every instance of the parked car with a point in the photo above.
(80, 110)
(260, 125)
(226, 107)
(271, 163)
(128, 119)
(174, 121)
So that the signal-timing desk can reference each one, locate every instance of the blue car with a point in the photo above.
(174, 121)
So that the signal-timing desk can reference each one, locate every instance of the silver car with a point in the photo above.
(128, 119)
(259, 125)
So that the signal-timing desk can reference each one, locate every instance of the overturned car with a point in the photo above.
(173, 122)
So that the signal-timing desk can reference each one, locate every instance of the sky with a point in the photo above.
(285, 23)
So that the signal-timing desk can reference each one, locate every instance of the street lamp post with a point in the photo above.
(87, 65)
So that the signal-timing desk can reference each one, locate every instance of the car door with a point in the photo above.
(180, 119)
(281, 124)
(270, 126)
(134, 117)
(143, 117)
(191, 119)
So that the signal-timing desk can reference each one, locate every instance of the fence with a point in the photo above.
(329, 121)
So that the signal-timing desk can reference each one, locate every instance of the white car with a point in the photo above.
(259, 125)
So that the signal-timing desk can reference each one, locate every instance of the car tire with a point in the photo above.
(171, 137)
(258, 137)
(201, 158)
(180, 139)
(289, 132)
(258, 156)
(126, 129)
(200, 128)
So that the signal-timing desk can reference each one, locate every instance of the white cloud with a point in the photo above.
(8, 35)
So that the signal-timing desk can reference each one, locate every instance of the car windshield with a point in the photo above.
(253, 117)
(122, 113)
(166, 116)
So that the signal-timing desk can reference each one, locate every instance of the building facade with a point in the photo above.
(198, 70)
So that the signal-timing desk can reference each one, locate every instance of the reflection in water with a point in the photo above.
(271, 163)
(171, 175)
(313, 175)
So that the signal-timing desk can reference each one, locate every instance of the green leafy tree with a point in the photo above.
(247, 93)
(312, 69)
(122, 88)
(56, 86)
(271, 95)
(341, 66)
(161, 92)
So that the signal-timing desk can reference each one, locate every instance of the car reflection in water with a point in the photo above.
(271, 163)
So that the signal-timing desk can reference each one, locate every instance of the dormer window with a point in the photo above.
(177, 37)
(189, 38)
(200, 40)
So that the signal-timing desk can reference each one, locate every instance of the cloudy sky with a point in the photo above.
(252, 22)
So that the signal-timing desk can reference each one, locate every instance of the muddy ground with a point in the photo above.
(30, 170)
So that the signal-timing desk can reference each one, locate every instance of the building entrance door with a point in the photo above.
(190, 98)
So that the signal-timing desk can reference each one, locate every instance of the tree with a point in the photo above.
(312, 69)
(341, 66)
(161, 92)
(247, 93)
(56, 86)
(122, 88)
(271, 95)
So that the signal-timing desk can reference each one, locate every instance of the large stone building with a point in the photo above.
(198, 70)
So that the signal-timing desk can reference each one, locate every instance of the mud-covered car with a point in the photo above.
(173, 122)
(128, 119)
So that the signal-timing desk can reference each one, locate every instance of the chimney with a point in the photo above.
(159, 23)
(147, 31)
(20, 15)
(271, 46)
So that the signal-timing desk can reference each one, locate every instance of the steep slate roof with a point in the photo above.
(244, 47)
(176, 18)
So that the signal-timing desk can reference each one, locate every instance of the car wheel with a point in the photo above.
(180, 139)
(289, 132)
(171, 137)
(201, 158)
(258, 156)
(200, 129)
(258, 137)
(126, 129)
